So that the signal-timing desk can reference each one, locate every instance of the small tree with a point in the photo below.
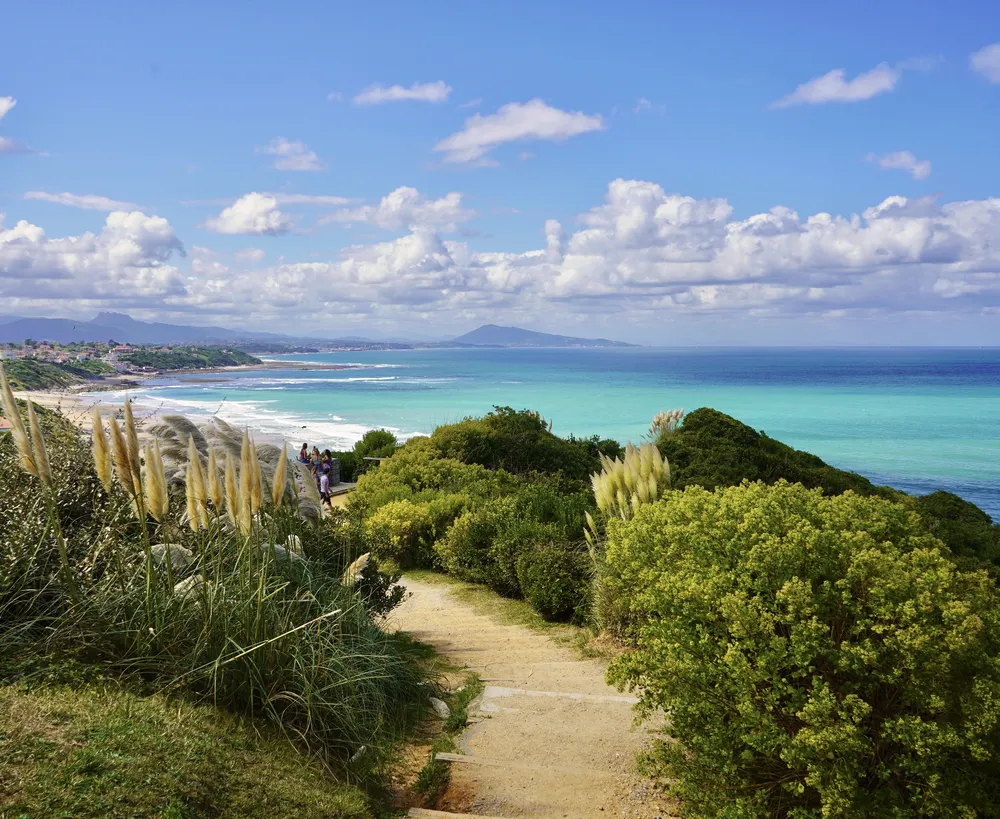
(816, 656)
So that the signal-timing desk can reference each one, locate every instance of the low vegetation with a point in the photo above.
(188, 358)
(817, 656)
(95, 749)
(28, 374)
(197, 565)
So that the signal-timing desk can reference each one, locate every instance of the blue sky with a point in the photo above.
(170, 111)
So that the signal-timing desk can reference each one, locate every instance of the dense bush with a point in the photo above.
(814, 655)
(28, 374)
(518, 442)
(555, 580)
(712, 449)
(376, 443)
(401, 531)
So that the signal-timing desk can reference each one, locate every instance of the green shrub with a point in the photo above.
(465, 551)
(401, 531)
(712, 449)
(376, 443)
(554, 578)
(815, 656)
(517, 442)
(967, 530)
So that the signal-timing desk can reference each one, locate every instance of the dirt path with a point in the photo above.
(548, 737)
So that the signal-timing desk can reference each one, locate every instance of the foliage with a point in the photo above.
(555, 579)
(967, 530)
(375, 443)
(251, 613)
(28, 374)
(97, 750)
(814, 655)
(712, 449)
(401, 531)
(518, 441)
(189, 358)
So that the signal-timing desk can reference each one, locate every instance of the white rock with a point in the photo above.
(440, 708)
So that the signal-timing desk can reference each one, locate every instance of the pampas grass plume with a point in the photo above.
(156, 495)
(123, 467)
(232, 490)
(215, 491)
(132, 436)
(280, 477)
(194, 519)
(41, 456)
(20, 434)
(352, 574)
(102, 450)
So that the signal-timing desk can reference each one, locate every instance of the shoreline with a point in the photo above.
(77, 401)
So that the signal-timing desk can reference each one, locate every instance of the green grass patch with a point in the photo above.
(434, 777)
(96, 750)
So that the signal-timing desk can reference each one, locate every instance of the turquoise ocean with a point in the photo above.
(916, 419)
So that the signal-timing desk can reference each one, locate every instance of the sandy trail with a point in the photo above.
(549, 737)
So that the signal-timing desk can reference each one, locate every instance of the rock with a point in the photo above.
(179, 557)
(440, 708)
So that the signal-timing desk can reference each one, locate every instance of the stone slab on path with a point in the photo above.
(547, 737)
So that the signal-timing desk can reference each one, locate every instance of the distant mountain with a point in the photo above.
(121, 328)
(493, 335)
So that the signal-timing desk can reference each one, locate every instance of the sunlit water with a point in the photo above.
(915, 419)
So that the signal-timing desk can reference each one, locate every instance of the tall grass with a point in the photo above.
(233, 590)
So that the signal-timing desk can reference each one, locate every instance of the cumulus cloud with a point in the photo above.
(85, 201)
(986, 61)
(514, 122)
(407, 208)
(422, 92)
(128, 259)
(254, 214)
(291, 155)
(834, 87)
(6, 104)
(641, 252)
(904, 161)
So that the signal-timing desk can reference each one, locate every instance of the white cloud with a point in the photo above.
(473, 103)
(249, 254)
(422, 92)
(128, 259)
(254, 214)
(641, 105)
(986, 61)
(6, 104)
(334, 96)
(904, 161)
(307, 199)
(515, 122)
(84, 201)
(291, 155)
(833, 87)
(524, 156)
(643, 256)
(407, 208)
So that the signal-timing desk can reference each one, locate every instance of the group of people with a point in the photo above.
(320, 467)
